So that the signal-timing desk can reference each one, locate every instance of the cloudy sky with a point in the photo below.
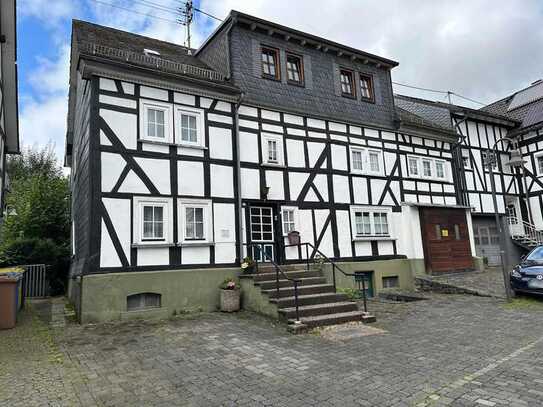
(481, 49)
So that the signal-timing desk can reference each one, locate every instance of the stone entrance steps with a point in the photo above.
(319, 304)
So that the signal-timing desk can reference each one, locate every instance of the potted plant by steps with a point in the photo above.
(230, 295)
(248, 265)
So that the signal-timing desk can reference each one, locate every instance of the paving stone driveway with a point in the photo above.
(449, 350)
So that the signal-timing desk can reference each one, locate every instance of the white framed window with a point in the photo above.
(153, 220)
(272, 149)
(357, 161)
(366, 161)
(189, 126)
(427, 168)
(289, 215)
(370, 222)
(539, 164)
(413, 163)
(195, 221)
(440, 169)
(156, 121)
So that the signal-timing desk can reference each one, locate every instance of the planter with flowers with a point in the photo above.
(230, 295)
(248, 265)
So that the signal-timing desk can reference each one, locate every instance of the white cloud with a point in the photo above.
(483, 50)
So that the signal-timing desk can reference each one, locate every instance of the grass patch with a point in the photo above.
(525, 303)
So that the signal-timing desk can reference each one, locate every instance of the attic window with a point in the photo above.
(270, 63)
(347, 83)
(151, 52)
(366, 87)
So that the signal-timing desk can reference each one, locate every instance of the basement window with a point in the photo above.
(142, 301)
(391, 282)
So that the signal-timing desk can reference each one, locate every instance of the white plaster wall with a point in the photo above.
(119, 211)
(248, 147)
(190, 178)
(220, 143)
(344, 234)
(224, 217)
(158, 172)
(274, 180)
(133, 184)
(339, 157)
(341, 189)
(222, 181)
(195, 255)
(112, 166)
(295, 153)
(124, 125)
(153, 256)
(108, 255)
(250, 183)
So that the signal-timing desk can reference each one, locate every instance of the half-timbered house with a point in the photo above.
(184, 162)
(9, 123)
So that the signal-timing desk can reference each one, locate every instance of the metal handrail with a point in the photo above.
(334, 267)
(278, 270)
(530, 231)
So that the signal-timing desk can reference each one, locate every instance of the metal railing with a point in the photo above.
(311, 259)
(35, 281)
(520, 229)
(278, 270)
(150, 61)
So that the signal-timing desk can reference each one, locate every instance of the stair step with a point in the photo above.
(270, 285)
(267, 267)
(290, 274)
(319, 309)
(302, 290)
(331, 319)
(311, 299)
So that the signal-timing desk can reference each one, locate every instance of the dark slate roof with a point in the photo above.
(528, 114)
(237, 16)
(439, 113)
(431, 113)
(102, 42)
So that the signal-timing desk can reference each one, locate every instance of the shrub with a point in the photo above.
(39, 251)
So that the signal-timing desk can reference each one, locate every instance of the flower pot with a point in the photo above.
(230, 300)
(249, 269)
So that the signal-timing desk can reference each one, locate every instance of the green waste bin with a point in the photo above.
(11, 296)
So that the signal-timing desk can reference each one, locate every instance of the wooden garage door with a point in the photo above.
(446, 240)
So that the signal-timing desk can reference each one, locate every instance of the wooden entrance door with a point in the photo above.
(446, 240)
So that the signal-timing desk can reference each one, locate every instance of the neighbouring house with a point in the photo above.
(186, 161)
(9, 122)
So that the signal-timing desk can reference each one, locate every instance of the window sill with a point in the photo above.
(348, 96)
(271, 78)
(167, 143)
(156, 142)
(193, 146)
(298, 84)
(272, 165)
(195, 244)
(372, 238)
(367, 100)
(144, 245)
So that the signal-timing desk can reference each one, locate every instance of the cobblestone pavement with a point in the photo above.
(489, 281)
(448, 350)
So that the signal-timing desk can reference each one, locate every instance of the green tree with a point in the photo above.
(37, 226)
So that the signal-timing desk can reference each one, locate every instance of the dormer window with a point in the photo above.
(270, 63)
(151, 52)
(347, 83)
(366, 88)
(295, 73)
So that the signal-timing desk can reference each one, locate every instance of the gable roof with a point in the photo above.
(236, 16)
(525, 106)
(106, 43)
